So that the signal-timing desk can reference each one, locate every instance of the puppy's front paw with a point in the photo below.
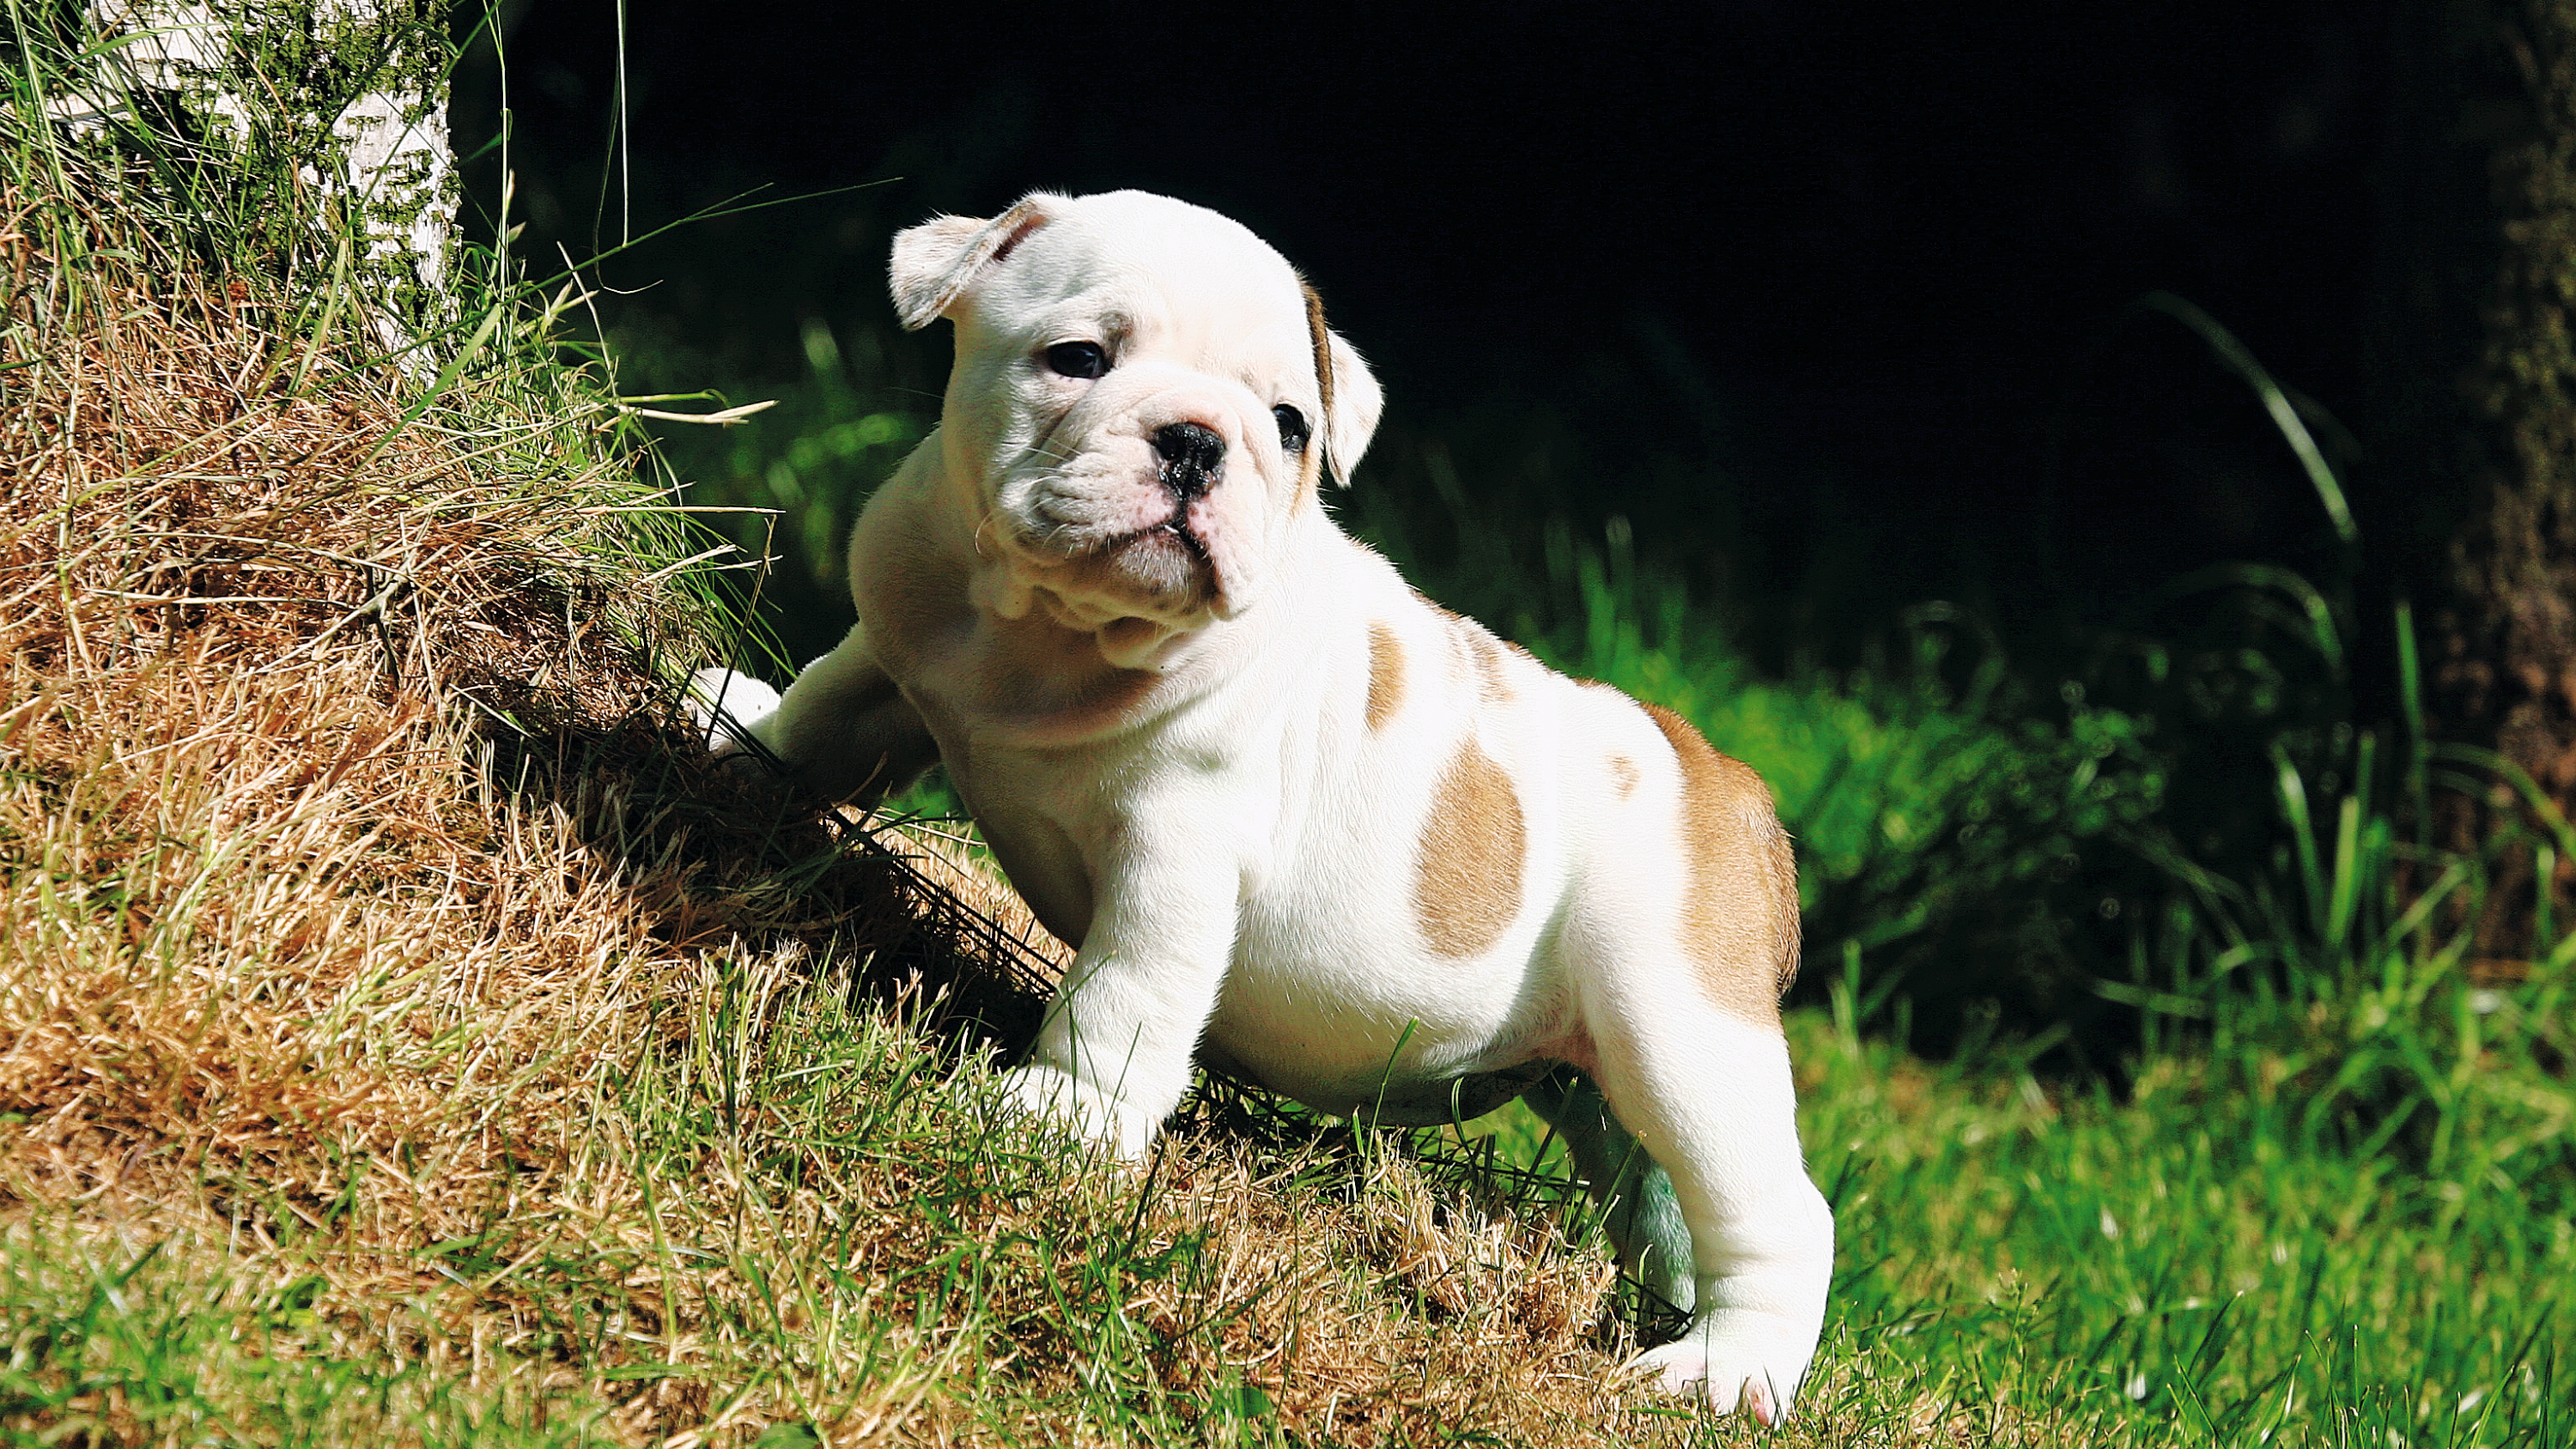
(724, 707)
(1100, 1119)
(1739, 1359)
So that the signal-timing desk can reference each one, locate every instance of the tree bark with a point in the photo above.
(2514, 562)
(2475, 359)
(350, 96)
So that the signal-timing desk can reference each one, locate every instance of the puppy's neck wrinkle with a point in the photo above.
(1036, 673)
(949, 610)
(1126, 641)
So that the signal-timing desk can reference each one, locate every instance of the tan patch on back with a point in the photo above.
(1623, 771)
(1386, 675)
(1740, 915)
(1467, 879)
(1477, 648)
(1491, 681)
(1475, 645)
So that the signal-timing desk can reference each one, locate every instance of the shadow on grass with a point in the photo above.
(891, 908)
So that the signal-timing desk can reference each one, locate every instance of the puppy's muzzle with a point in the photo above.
(1193, 458)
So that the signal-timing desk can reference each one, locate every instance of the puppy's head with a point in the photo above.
(1145, 395)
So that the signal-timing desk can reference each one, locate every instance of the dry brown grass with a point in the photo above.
(364, 928)
(257, 647)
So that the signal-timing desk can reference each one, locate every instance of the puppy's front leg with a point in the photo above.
(843, 729)
(1114, 1055)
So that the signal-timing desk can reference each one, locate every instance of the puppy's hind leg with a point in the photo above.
(1709, 1093)
(1631, 1190)
(843, 730)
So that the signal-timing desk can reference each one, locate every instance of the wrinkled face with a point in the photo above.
(1140, 399)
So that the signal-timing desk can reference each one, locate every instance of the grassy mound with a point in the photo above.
(403, 1040)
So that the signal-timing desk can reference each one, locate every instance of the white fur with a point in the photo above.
(1234, 848)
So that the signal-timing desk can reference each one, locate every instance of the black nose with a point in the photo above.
(1192, 456)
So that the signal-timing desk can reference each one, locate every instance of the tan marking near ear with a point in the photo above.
(1311, 469)
(1322, 339)
(1740, 915)
(1310, 474)
(1011, 242)
(1386, 675)
(1624, 771)
(1467, 879)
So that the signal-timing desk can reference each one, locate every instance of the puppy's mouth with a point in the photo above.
(1116, 535)
(1165, 570)
(1169, 560)
(1188, 460)
(1177, 529)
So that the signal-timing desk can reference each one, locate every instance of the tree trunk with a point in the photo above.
(2514, 563)
(2475, 342)
(349, 96)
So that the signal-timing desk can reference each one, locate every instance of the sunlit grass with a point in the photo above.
(844, 1232)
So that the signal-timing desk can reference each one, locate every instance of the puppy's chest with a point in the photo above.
(1376, 918)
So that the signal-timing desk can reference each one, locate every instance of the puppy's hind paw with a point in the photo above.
(1093, 1115)
(1733, 1361)
(725, 707)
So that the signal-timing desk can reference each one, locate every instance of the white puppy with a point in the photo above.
(1296, 818)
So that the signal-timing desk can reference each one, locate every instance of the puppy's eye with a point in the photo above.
(1293, 431)
(1077, 359)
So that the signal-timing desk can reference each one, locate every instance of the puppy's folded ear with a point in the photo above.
(934, 263)
(1351, 418)
(1350, 392)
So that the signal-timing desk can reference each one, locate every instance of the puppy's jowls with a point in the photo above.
(1292, 815)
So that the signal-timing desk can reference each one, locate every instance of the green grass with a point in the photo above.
(846, 1227)
(2197, 1264)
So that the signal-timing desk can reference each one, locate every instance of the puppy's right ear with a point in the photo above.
(935, 262)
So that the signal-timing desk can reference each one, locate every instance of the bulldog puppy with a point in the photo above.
(1294, 817)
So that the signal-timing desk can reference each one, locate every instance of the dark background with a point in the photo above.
(1832, 300)
(1833, 311)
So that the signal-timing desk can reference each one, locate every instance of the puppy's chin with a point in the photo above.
(1157, 577)
(1165, 569)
